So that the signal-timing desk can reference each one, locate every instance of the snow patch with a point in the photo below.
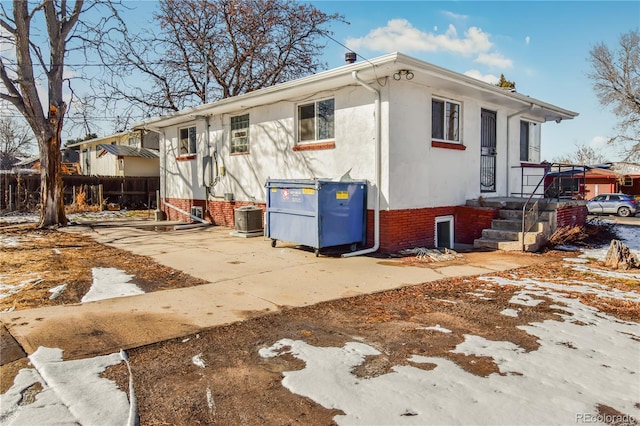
(197, 360)
(437, 327)
(72, 392)
(510, 312)
(584, 358)
(109, 283)
(57, 291)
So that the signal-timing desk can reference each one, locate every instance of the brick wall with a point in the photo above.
(470, 221)
(217, 212)
(399, 229)
(571, 216)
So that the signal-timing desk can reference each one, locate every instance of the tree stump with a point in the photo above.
(620, 257)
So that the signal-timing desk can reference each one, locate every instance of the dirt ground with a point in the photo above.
(247, 388)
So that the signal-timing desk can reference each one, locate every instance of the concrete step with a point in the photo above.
(502, 235)
(504, 245)
(517, 215)
(507, 224)
(516, 225)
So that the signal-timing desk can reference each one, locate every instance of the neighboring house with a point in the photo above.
(28, 165)
(612, 177)
(588, 181)
(427, 139)
(121, 154)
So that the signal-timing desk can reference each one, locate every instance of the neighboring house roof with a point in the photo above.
(626, 168)
(28, 161)
(109, 138)
(370, 70)
(127, 151)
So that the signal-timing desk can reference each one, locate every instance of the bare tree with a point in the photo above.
(16, 140)
(36, 59)
(212, 49)
(583, 155)
(616, 81)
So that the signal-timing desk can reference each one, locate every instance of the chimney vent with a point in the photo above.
(350, 57)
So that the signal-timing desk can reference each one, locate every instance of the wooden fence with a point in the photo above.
(22, 191)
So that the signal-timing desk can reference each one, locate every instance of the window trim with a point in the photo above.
(446, 101)
(316, 140)
(248, 136)
(452, 229)
(188, 154)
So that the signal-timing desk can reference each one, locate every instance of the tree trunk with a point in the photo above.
(620, 257)
(52, 212)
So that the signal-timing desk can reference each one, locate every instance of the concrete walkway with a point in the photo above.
(246, 277)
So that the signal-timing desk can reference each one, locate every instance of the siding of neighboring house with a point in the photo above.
(95, 162)
(138, 166)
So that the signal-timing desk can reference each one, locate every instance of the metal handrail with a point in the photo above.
(551, 166)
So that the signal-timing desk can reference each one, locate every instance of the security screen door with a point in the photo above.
(488, 151)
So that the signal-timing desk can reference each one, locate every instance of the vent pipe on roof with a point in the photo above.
(350, 57)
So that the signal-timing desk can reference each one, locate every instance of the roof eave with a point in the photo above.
(369, 70)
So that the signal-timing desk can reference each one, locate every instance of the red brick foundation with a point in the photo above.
(217, 212)
(399, 229)
(402, 229)
(571, 216)
(470, 221)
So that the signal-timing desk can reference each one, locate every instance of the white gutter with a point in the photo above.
(509, 117)
(376, 211)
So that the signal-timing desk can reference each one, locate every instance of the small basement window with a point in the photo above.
(444, 231)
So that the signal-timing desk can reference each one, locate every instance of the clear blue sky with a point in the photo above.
(541, 45)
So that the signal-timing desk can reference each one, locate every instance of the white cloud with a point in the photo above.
(527, 40)
(598, 142)
(400, 35)
(454, 16)
(494, 60)
(487, 78)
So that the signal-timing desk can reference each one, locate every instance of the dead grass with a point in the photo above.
(44, 259)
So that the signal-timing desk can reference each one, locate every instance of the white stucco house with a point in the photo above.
(426, 139)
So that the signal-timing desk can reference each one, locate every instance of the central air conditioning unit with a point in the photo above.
(196, 211)
(248, 219)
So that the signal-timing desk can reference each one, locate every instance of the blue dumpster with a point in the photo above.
(316, 213)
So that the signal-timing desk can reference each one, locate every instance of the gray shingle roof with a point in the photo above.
(129, 151)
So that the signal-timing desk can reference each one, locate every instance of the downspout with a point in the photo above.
(509, 117)
(378, 161)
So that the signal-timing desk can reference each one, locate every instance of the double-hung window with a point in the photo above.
(188, 140)
(240, 134)
(316, 121)
(445, 120)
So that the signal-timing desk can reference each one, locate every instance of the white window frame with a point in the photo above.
(239, 137)
(441, 219)
(316, 128)
(192, 145)
(445, 127)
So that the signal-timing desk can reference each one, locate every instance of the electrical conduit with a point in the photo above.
(378, 161)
